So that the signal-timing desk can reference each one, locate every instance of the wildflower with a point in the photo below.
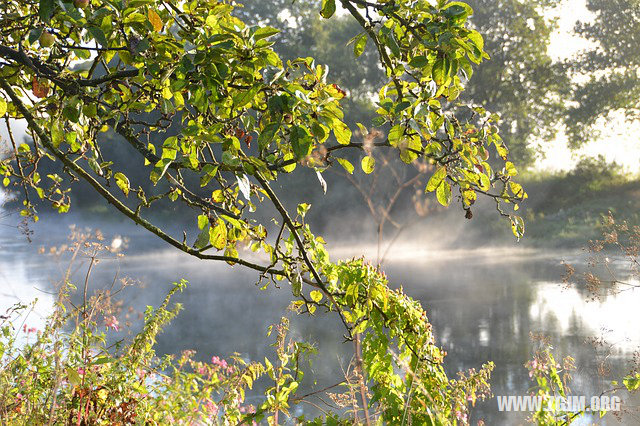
(81, 371)
(461, 416)
(536, 366)
(211, 407)
(219, 362)
(140, 373)
(111, 322)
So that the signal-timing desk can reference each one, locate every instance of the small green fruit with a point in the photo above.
(47, 39)
(81, 4)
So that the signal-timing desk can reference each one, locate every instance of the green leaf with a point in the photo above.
(231, 252)
(267, 134)
(103, 360)
(360, 44)
(265, 32)
(484, 182)
(90, 110)
(457, 10)
(395, 134)
(476, 38)
(218, 235)
(35, 34)
(328, 8)
(363, 130)
(159, 170)
(296, 285)
(302, 209)
(402, 106)
(410, 148)
(443, 193)
(46, 10)
(419, 62)
(436, 179)
(466, 67)
(318, 131)
(245, 97)
(632, 383)
(73, 376)
(99, 36)
(342, 132)
(123, 183)
(3, 107)
(517, 226)
(368, 163)
(208, 172)
(439, 72)
(346, 165)
(203, 220)
(391, 42)
(71, 113)
(300, 141)
(290, 167)
(57, 134)
(142, 46)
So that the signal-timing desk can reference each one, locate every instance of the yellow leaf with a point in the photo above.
(218, 235)
(316, 296)
(368, 164)
(155, 20)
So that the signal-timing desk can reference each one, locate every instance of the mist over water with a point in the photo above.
(483, 303)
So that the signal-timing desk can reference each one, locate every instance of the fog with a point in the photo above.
(483, 302)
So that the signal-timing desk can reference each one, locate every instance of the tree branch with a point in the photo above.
(80, 172)
(303, 251)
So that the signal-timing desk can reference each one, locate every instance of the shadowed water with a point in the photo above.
(483, 305)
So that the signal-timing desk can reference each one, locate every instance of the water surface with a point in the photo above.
(483, 305)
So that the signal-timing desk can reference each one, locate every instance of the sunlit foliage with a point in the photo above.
(203, 102)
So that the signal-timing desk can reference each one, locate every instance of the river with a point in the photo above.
(483, 305)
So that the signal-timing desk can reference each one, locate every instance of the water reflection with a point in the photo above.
(483, 306)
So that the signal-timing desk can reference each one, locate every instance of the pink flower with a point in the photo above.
(111, 322)
(82, 371)
(140, 373)
(536, 366)
(19, 396)
(461, 416)
(219, 362)
(211, 407)
(28, 330)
